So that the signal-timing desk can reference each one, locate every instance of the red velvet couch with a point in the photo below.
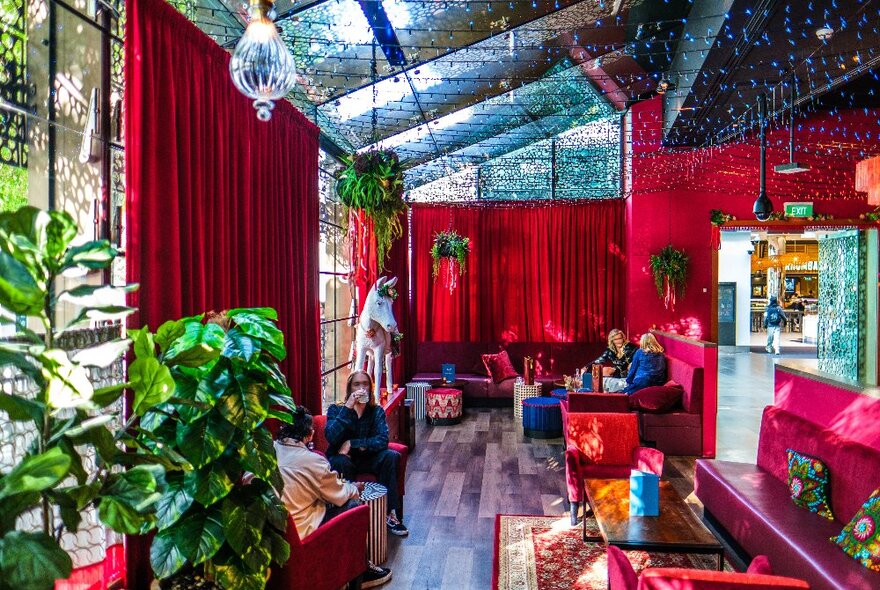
(750, 504)
(552, 361)
(676, 432)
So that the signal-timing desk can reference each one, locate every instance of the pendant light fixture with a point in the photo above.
(763, 206)
(791, 167)
(261, 66)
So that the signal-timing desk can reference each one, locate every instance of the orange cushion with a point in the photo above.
(604, 438)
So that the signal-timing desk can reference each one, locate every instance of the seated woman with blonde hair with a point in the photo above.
(619, 355)
(648, 367)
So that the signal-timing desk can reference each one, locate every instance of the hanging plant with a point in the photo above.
(454, 249)
(371, 189)
(670, 271)
(717, 218)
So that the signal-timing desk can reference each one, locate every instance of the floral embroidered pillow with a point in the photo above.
(859, 538)
(808, 483)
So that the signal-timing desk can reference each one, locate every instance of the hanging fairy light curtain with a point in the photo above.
(449, 252)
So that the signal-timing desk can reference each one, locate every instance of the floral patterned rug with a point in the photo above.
(545, 553)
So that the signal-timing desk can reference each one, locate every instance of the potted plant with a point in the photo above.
(453, 249)
(69, 417)
(219, 519)
(370, 187)
(670, 271)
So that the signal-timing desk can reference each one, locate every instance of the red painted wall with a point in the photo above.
(674, 191)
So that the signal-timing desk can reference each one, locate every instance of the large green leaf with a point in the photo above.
(102, 355)
(263, 312)
(240, 345)
(60, 232)
(276, 545)
(168, 333)
(144, 345)
(76, 466)
(32, 561)
(245, 403)
(190, 398)
(21, 409)
(235, 576)
(175, 501)
(198, 535)
(19, 292)
(166, 558)
(205, 439)
(258, 456)
(13, 506)
(210, 484)
(100, 313)
(104, 396)
(276, 512)
(199, 344)
(243, 520)
(11, 355)
(152, 384)
(36, 473)
(272, 339)
(95, 254)
(128, 499)
(122, 518)
(67, 384)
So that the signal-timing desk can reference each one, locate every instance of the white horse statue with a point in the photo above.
(376, 328)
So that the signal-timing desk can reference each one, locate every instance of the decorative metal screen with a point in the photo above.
(90, 542)
(839, 305)
(13, 81)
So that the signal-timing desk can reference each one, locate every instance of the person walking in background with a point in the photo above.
(774, 318)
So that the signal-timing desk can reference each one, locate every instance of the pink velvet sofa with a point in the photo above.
(552, 361)
(750, 504)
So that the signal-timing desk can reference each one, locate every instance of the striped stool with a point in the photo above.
(522, 391)
(376, 497)
(416, 392)
(541, 417)
(443, 406)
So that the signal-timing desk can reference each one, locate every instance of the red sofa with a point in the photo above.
(333, 556)
(750, 504)
(622, 576)
(552, 361)
(321, 446)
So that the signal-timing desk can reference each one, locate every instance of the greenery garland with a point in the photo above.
(670, 271)
(373, 182)
(450, 244)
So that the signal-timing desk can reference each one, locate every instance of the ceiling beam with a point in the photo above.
(383, 31)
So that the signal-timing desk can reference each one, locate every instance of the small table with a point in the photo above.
(376, 497)
(676, 530)
(522, 391)
(457, 384)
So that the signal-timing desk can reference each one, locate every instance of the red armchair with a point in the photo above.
(321, 444)
(621, 576)
(333, 556)
(603, 446)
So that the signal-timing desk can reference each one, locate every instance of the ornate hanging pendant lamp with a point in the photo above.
(261, 66)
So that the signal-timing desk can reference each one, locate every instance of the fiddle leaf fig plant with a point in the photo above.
(48, 490)
(226, 383)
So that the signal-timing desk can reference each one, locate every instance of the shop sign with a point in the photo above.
(799, 209)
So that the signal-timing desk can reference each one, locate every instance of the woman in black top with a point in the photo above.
(619, 354)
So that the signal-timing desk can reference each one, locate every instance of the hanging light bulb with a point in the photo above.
(261, 66)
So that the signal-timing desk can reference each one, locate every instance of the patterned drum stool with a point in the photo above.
(416, 392)
(443, 406)
(542, 417)
(522, 391)
(376, 497)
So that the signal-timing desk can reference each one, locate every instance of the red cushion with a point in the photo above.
(499, 366)
(673, 383)
(656, 399)
(604, 439)
(760, 565)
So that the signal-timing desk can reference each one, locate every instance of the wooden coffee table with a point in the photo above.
(676, 530)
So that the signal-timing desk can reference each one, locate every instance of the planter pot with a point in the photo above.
(188, 581)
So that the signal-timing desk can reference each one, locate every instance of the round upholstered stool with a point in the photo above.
(560, 393)
(542, 417)
(443, 406)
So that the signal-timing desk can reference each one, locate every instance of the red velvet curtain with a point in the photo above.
(397, 265)
(536, 273)
(222, 208)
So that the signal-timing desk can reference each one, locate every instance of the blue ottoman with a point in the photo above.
(542, 417)
(561, 393)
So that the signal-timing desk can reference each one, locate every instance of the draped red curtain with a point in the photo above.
(397, 265)
(549, 273)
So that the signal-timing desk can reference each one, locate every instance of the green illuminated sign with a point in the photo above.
(799, 209)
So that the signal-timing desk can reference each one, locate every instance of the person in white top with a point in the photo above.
(313, 494)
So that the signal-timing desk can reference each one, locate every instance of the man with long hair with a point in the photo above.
(357, 434)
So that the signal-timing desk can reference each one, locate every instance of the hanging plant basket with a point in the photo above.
(450, 252)
(370, 188)
(670, 272)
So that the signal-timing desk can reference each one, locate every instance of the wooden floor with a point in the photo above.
(460, 477)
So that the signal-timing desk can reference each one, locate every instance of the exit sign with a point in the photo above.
(799, 209)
